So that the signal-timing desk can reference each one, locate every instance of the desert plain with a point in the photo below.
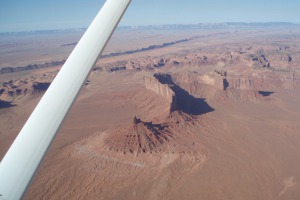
(169, 112)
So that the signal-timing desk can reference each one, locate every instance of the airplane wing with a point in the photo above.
(27, 151)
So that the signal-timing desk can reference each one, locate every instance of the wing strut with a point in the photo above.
(27, 151)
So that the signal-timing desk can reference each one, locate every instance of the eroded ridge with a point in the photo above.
(141, 137)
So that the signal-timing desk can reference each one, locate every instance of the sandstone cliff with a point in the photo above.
(217, 86)
(163, 90)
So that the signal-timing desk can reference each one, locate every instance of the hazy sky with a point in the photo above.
(24, 15)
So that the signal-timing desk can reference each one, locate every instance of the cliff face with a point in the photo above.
(178, 98)
(163, 90)
(40, 86)
(216, 81)
(221, 87)
(240, 83)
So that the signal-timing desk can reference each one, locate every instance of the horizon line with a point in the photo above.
(151, 25)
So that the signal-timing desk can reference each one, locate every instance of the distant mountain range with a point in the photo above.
(224, 25)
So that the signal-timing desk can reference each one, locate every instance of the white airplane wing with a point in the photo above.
(26, 153)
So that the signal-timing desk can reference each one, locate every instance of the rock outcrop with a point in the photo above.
(40, 86)
(240, 83)
(142, 137)
(218, 87)
(14, 90)
(5, 70)
(160, 89)
(182, 100)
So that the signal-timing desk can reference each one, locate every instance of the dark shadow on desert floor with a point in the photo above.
(5, 104)
(265, 93)
(183, 100)
(225, 84)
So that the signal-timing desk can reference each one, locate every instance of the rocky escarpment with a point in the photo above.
(260, 60)
(13, 90)
(151, 47)
(6, 70)
(154, 85)
(179, 99)
(163, 90)
(161, 63)
(256, 58)
(40, 86)
(240, 83)
(218, 86)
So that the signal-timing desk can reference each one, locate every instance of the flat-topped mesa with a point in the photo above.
(218, 87)
(183, 100)
(162, 90)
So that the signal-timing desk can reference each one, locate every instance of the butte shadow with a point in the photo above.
(183, 100)
(265, 93)
(6, 104)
